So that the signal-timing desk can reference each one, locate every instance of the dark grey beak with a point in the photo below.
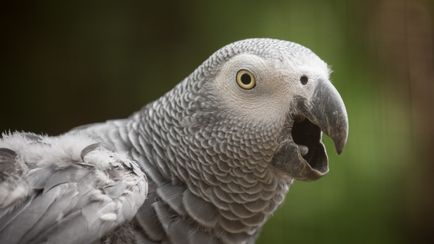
(327, 110)
(302, 154)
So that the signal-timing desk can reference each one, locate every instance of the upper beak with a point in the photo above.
(303, 155)
(327, 110)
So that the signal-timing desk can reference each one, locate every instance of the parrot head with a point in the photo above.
(268, 102)
(239, 129)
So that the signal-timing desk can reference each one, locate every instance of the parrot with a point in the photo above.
(210, 161)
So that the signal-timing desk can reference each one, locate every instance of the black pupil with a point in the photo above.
(304, 80)
(246, 79)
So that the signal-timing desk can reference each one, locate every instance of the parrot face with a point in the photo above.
(239, 129)
(280, 98)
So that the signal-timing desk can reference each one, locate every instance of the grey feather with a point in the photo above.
(61, 206)
(28, 217)
(38, 177)
(199, 237)
(202, 212)
(65, 191)
(65, 175)
(148, 221)
(11, 171)
(163, 215)
(179, 231)
(10, 214)
(216, 158)
(172, 195)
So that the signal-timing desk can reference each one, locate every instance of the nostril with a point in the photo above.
(304, 79)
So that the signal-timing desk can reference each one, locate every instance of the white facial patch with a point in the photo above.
(277, 83)
(267, 101)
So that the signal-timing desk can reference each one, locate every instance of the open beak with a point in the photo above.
(303, 155)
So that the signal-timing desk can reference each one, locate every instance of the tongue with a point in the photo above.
(303, 150)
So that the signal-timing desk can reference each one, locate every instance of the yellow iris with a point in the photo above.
(245, 79)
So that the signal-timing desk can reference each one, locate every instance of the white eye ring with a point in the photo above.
(245, 79)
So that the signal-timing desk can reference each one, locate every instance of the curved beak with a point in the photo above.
(327, 110)
(303, 155)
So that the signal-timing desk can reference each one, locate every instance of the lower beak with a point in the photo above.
(303, 155)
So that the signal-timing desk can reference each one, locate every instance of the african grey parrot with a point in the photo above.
(208, 162)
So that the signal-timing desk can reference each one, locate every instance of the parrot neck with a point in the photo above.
(192, 155)
(201, 167)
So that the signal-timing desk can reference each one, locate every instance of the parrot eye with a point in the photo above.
(245, 79)
(304, 79)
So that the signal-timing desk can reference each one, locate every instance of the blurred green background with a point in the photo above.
(69, 63)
